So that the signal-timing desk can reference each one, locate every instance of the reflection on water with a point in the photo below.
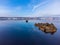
(22, 33)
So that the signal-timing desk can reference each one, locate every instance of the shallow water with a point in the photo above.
(22, 33)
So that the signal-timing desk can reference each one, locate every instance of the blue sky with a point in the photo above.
(32, 8)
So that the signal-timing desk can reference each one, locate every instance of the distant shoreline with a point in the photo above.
(29, 18)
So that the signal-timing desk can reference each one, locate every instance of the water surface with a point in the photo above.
(22, 33)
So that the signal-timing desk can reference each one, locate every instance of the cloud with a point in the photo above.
(38, 5)
(50, 9)
(34, 8)
(4, 11)
(9, 11)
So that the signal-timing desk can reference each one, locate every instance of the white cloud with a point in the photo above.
(38, 5)
(51, 9)
(9, 11)
(46, 8)
(4, 11)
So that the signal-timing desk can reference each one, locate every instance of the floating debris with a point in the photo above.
(26, 20)
(46, 27)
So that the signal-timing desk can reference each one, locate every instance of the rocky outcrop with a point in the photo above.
(46, 27)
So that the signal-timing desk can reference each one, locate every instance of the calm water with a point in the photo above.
(22, 33)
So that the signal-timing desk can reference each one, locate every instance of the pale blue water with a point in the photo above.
(22, 33)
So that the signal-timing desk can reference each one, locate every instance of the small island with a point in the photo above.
(46, 27)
